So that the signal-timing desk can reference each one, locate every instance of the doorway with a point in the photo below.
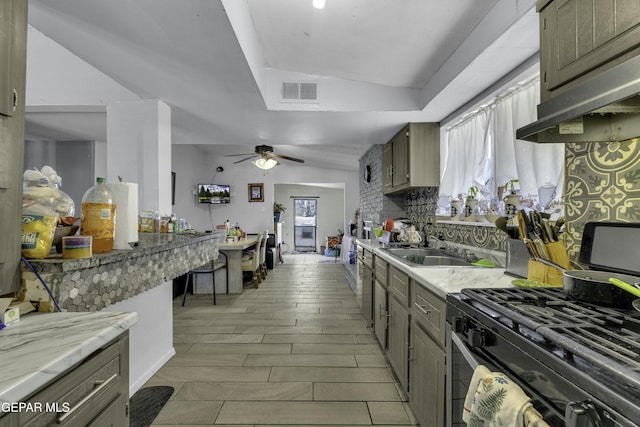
(305, 224)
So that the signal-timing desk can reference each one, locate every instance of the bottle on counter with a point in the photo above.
(98, 218)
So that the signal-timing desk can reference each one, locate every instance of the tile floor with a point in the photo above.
(293, 352)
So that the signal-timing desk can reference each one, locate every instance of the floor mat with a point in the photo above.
(147, 403)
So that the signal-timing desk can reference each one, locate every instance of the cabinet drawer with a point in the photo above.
(381, 270)
(430, 312)
(399, 285)
(85, 391)
(367, 258)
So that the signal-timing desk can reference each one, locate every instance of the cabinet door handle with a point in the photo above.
(100, 386)
(14, 104)
(423, 309)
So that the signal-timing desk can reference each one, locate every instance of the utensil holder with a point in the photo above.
(543, 273)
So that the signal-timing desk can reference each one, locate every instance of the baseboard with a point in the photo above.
(146, 376)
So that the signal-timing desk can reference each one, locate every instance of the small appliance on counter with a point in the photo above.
(367, 226)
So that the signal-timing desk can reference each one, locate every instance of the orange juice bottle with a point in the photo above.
(99, 216)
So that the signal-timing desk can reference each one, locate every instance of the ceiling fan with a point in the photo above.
(266, 157)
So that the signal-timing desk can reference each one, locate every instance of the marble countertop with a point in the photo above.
(445, 280)
(41, 346)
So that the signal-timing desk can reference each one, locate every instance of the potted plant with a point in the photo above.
(278, 209)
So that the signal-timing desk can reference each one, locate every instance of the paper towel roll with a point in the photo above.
(125, 196)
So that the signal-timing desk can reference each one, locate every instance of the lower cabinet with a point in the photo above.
(398, 341)
(380, 314)
(409, 321)
(367, 294)
(94, 393)
(427, 381)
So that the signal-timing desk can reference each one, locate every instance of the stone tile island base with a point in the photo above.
(92, 284)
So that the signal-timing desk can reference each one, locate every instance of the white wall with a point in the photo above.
(193, 166)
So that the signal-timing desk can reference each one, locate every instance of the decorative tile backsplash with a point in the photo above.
(602, 183)
(420, 206)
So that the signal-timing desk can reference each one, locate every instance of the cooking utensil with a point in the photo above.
(632, 289)
(594, 287)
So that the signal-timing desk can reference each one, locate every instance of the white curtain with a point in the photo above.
(481, 150)
(469, 155)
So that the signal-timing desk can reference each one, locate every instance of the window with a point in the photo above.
(481, 150)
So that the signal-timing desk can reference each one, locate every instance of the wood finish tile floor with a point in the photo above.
(293, 352)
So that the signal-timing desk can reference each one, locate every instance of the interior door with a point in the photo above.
(305, 224)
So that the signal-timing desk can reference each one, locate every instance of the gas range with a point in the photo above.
(579, 362)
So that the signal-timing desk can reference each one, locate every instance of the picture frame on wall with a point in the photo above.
(256, 192)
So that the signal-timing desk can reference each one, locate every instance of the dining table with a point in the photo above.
(233, 251)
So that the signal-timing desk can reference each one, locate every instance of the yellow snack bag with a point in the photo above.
(38, 228)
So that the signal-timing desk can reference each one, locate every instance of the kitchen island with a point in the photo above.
(137, 280)
(91, 284)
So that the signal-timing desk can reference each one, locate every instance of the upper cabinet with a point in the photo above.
(412, 158)
(13, 48)
(10, 42)
(579, 38)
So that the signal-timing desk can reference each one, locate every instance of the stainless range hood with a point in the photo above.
(603, 108)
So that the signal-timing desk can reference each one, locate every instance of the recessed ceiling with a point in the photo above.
(219, 63)
(386, 42)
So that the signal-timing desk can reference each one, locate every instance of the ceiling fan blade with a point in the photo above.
(248, 158)
(293, 159)
(237, 155)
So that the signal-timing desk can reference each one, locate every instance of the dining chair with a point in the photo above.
(251, 261)
(263, 255)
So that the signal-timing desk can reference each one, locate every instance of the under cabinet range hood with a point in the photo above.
(603, 108)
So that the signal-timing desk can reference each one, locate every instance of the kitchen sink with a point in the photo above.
(425, 257)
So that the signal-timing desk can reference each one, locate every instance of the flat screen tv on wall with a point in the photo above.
(214, 194)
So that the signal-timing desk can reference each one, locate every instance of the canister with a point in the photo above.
(76, 247)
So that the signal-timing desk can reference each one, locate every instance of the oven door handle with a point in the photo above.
(468, 356)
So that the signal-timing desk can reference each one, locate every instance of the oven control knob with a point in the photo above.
(581, 414)
(476, 338)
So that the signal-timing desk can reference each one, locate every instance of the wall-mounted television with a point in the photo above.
(214, 194)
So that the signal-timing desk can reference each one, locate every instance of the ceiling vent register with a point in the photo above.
(299, 91)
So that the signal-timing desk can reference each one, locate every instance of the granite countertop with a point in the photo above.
(41, 346)
(445, 280)
(148, 243)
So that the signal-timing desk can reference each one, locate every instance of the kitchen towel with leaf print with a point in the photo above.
(494, 400)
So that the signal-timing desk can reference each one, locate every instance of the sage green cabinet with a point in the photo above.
(367, 294)
(412, 158)
(427, 356)
(93, 393)
(387, 167)
(427, 382)
(13, 49)
(579, 38)
(380, 314)
(398, 340)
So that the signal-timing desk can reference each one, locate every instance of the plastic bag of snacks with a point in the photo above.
(38, 227)
(145, 222)
(42, 186)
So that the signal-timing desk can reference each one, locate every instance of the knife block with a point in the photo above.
(543, 273)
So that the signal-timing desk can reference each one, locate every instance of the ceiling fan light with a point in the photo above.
(263, 163)
(318, 4)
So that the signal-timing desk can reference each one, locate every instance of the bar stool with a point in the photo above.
(211, 268)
